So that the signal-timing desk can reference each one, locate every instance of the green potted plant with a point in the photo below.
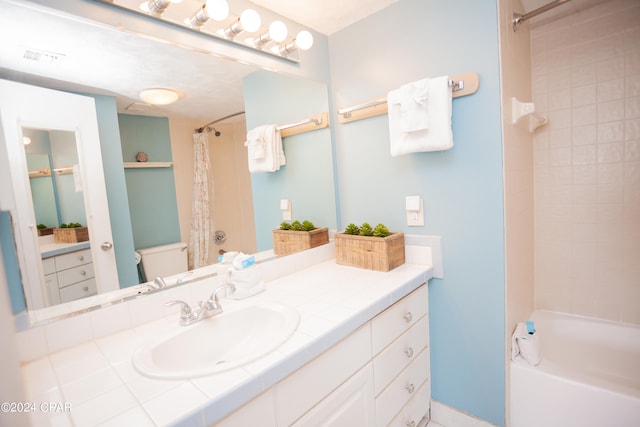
(373, 248)
(72, 232)
(298, 236)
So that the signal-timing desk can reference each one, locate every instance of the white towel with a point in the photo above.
(264, 149)
(77, 178)
(438, 134)
(414, 103)
(525, 345)
(247, 282)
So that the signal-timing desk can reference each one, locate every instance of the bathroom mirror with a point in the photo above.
(48, 62)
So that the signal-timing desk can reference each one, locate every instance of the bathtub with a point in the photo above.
(589, 375)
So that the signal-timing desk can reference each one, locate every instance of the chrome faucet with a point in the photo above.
(205, 309)
(159, 283)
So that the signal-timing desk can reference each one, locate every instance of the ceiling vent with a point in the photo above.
(42, 56)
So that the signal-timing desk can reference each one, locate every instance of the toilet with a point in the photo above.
(163, 261)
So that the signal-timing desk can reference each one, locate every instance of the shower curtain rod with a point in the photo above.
(201, 129)
(519, 18)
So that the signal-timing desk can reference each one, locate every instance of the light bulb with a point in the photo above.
(218, 10)
(304, 40)
(26, 140)
(278, 31)
(250, 20)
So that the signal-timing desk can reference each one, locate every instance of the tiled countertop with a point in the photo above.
(97, 381)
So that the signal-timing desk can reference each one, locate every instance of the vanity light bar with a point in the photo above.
(271, 40)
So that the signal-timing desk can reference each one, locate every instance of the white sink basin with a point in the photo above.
(219, 343)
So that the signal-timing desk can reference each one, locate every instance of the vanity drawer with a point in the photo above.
(415, 409)
(73, 259)
(75, 275)
(392, 322)
(48, 266)
(400, 353)
(79, 290)
(403, 388)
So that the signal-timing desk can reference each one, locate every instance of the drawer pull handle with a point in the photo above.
(85, 288)
(411, 388)
(83, 273)
(409, 352)
(81, 258)
(408, 317)
(411, 424)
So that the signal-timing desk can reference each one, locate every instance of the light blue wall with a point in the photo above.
(461, 188)
(116, 189)
(10, 261)
(307, 178)
(151, 191)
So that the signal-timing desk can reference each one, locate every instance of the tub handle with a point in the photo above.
(408, 317)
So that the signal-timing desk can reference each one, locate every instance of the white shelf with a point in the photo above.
(131, 165)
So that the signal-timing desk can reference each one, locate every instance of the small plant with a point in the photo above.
(285, 226)
(381, 231)
(297, 226)
(352, 230)
(71, 225)
(366, 230)
(41, 226)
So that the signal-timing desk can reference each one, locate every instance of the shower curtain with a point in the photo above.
(200, 218)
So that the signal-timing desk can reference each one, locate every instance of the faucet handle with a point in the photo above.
(185, 310)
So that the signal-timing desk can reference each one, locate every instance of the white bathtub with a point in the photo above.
(589, 375)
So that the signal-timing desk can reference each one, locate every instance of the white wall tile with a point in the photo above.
(597, 273)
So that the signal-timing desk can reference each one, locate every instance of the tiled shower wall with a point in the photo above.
(586, 80)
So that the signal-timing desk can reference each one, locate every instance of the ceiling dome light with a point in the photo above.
(159, 96)
(218, 10)
(304, 40)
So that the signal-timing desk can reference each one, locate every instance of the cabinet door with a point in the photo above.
(350, 405)
(302, 390)
(51, 285)
(258, 412)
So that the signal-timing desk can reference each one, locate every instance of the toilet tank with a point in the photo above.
(165, 260)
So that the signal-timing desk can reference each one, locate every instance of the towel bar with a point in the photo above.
(461, 85)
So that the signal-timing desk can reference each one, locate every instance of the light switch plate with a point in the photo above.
(285, 207)
(415, 211)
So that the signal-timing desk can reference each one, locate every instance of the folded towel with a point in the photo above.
(77, 178)
(264, 149)
(414, 113)
(437, 135)
(247, 282)
(525, 345)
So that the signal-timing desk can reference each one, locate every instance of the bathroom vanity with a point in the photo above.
(359, 355)
(68, 272)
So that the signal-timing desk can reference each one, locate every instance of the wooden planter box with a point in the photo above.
(70, 235)
(45, 231)
(372, 253)
(286, 242)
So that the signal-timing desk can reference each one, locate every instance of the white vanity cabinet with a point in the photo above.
(69, 276)
(377, 376)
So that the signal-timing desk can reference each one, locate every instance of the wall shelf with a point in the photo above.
(137, 165)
